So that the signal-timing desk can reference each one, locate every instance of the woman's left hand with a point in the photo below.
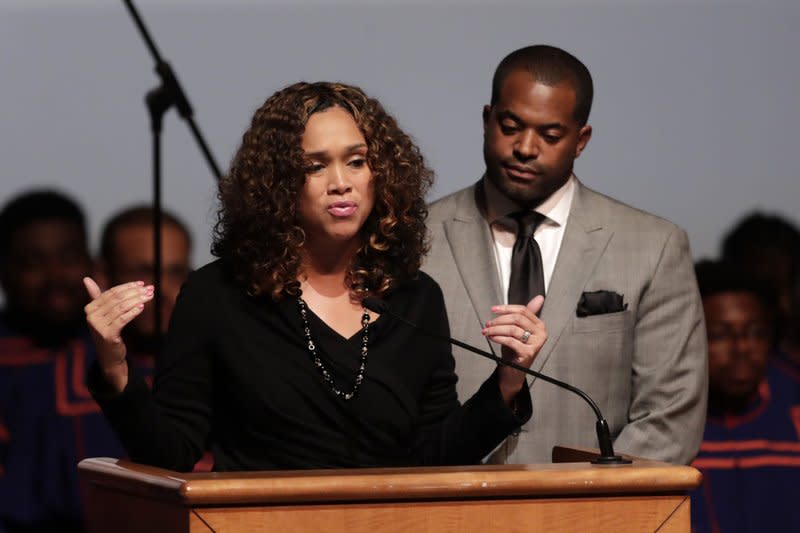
(521, 334)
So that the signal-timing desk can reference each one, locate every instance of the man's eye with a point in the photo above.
(508, 129)
(552, 139)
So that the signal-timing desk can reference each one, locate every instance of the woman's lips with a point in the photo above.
(342, 209)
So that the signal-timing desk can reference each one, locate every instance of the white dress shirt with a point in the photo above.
(548, 234)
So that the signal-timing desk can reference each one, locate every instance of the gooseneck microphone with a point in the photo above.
(607, 455)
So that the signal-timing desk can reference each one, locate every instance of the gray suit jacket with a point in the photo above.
(646, 367)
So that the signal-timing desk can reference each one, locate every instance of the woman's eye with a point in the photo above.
(313, 168)
(358, 163)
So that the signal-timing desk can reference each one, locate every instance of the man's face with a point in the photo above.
(738, 343)
(43, 272)
(530, 138)
(133, 261)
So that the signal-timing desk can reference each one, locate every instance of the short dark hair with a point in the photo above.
(34, 206)
(549, 65)
(761, 230)
(134, 216)
(715, 277)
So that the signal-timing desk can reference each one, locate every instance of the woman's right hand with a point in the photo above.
(107, 313)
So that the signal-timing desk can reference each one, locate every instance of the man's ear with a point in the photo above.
(584, 135)
(487, 112)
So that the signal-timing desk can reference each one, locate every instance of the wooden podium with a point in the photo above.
(570, 495)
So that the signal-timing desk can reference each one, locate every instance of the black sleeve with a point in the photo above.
(450, 433)
(169, 427)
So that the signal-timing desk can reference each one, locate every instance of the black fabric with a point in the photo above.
(527, 273)
(600, 303)
(236, 378)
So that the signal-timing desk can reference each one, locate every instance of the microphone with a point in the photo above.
(607, 455)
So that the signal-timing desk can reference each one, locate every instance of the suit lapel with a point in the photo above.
(470, 241)
(584, 240)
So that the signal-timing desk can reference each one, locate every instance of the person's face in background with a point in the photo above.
(531, 138)
(739, 334)
(42, 275)
(339, 191)
(133, 260)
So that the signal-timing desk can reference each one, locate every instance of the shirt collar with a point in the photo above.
(555, 208)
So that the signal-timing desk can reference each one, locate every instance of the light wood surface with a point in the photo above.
(574, 496)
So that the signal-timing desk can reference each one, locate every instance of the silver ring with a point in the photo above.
(525, 336)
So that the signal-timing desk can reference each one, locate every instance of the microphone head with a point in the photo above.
(375, 304)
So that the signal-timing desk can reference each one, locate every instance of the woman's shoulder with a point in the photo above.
(213, 279)
(427, 283)
(421, 282)
(420, 290)
(213, 273)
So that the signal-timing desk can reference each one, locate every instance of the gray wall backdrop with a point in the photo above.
(695, 115)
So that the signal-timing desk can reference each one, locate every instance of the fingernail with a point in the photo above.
(140, 283)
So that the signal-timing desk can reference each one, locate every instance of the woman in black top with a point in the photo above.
(271, 360)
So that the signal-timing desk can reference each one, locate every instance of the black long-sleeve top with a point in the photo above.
(236, 377)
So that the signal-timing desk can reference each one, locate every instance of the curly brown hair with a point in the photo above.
(257, 231)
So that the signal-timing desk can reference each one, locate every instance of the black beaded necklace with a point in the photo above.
(326, 374)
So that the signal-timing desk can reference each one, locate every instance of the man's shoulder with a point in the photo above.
(620, 216)
(450, 205)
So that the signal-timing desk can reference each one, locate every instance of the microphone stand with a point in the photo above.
(159, 100)
(607, 455)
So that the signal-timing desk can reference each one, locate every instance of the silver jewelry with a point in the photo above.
(525, 336)
(326, 374)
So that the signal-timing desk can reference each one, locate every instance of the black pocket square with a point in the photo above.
(600, 303)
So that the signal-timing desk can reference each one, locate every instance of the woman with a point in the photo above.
(271, 361)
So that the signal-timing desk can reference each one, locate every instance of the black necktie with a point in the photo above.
(527, 273)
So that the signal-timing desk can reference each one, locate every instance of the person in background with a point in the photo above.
(49, 420)
(767, 248)
(621, 300)
(750, 454)
(127, 254)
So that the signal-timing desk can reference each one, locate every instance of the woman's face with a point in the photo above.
(339, 191)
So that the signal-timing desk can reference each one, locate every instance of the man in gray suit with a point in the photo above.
(622, 309)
